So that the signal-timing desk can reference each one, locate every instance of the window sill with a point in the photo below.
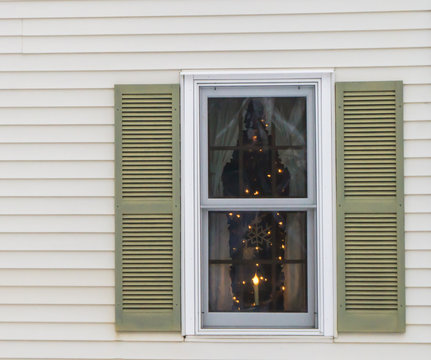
(226, 338)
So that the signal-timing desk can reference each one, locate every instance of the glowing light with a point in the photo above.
(278, 213)
(243, 282)
(268, 176)
(237, 301)
(266, 125)
(279, 258)
(256, 193)
(266, 279)
(254, 138)
(280, 223)
(249, 227)
(280, 171)
(255, 280)
(257, 247)
(257, 264)
(234, 298)
(238, 216)
(247, 191)
(269, 232)
(283, 288)
(260, 150)
(230, 214)
(261, 278)
(282, 246)
(243, 241)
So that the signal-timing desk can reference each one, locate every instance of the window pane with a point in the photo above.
(257, 147)
(257, 261)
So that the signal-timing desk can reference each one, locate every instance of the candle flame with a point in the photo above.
(255, 280)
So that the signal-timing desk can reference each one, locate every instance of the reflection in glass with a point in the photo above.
(257, 147)
(257, 261)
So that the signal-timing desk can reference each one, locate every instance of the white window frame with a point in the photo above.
(191, 81)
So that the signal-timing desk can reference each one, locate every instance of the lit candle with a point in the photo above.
(255, 281)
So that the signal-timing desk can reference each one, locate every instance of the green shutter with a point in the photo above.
(370, 207)
(147, 207)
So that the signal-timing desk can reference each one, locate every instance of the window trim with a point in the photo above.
(190, 195)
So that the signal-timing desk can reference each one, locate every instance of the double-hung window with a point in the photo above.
(256, 202)
(257, 206)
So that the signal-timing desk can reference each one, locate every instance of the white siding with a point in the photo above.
(59, 61)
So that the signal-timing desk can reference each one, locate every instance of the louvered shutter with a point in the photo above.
(147, 208)
(370, 207)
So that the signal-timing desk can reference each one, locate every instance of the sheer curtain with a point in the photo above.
(223, 124)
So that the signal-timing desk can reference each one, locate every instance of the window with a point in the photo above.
(256, 204)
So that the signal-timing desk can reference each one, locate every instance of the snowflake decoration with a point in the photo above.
(258, 234)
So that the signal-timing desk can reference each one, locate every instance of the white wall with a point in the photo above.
(59, 61)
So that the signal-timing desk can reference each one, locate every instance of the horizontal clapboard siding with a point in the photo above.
(217, 59)
(275, 23)
(57, 149)
(106, 8)
(225, 42)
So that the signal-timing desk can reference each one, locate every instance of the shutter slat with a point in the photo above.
(147, 208)
(370, 207)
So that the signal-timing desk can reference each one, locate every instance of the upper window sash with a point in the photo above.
(303, 89)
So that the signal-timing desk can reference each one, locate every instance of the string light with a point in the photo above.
(280, 223)
(283, 288)
(280, 171)
(238, 216)
(269, 176)
(256, 193)
(249, 227)
(230, 214)
(247, 191)
(243, 282)
(254, 137)
(279, 258)
(282, 246)
(269, 232)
